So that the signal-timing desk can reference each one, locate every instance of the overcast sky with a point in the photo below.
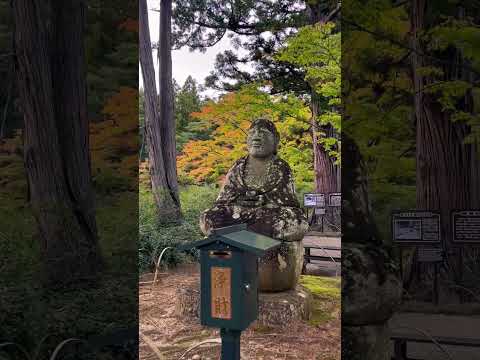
(184, 63)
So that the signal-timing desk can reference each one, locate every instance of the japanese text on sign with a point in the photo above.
(221, 299)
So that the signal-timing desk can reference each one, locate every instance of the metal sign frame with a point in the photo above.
(316, 196)
(415, 215)
(475, 213)
(332, 195)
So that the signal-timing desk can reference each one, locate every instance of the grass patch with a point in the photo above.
(326, 288)
(326, 297)
(29, 311)
(320, 315)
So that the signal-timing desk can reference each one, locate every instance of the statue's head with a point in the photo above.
(263, 138)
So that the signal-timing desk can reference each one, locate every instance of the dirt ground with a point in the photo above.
(165, 336)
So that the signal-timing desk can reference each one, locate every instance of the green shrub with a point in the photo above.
(155, 236)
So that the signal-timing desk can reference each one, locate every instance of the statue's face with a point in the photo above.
(260, 142)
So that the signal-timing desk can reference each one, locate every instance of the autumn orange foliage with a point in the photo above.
(207, 161)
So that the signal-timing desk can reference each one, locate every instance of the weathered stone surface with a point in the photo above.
(188, 301)
(371, 288)
(259, 191)
(280, 269)
(366, 342)
(369, 296)
(274, 309)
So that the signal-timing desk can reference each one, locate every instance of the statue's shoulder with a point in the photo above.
(238, 164)
(282, 165)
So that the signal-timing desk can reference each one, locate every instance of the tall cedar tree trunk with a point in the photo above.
(166, 203)
(51, 77)
(325, 169)
(326, 172)
(446, 168)
(166, 99)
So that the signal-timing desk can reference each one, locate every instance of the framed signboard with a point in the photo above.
(416, 227)
(335, 199)
(314, 200)
(430, 255)
(466, 226)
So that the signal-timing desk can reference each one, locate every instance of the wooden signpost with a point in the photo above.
(229, 282)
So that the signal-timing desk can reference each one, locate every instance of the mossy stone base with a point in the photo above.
(274, 309)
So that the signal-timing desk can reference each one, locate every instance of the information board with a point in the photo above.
(416, 227)
(314, 200)
(335, 199)
(466, 226)
(430, 255)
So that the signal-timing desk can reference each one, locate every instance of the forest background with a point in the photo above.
(35, 314)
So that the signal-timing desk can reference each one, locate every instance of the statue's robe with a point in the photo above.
(278, 216)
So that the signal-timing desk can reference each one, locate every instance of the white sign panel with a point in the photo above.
(420, 227)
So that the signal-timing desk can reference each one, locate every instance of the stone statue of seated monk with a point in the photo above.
(259, 191)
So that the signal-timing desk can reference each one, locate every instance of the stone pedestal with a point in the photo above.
(280, 268)
(274, 309)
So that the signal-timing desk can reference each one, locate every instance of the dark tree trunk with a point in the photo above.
(166, 97)
(447, 170)
(166, 199)
(51, 80)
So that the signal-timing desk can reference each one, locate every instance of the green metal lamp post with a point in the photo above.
(229, 282)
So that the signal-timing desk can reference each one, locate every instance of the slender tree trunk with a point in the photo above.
(326, 179)
(167, 203)
(325, 169)
(51, 80)
(166, 96)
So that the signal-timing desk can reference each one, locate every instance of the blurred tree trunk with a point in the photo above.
(160, 160)
(446, 167)
(445, 164)
(51, 75)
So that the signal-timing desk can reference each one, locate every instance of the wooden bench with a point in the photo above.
(308, 255)
(400, 341)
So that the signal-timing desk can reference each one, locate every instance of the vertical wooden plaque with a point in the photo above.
(221, 285)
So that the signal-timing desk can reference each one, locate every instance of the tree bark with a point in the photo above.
(326, 177)
(166, 97)
(325, 169)
(51, 81)
(447, 168)
(447, 174)
(167, 202)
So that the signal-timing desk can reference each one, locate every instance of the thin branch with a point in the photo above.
(334, 12)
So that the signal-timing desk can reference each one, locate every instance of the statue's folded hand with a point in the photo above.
(251, 201)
